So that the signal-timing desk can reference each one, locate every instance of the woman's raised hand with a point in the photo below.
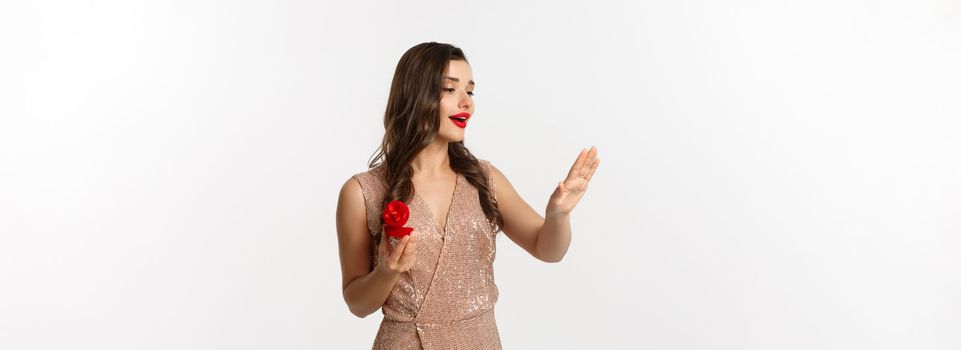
(399, 258)
(570, 191)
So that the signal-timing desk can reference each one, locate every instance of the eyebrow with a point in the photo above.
(458, 80)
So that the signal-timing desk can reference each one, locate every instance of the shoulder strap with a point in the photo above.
(490, 179)
(374, 186)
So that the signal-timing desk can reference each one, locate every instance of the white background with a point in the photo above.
(776, 175)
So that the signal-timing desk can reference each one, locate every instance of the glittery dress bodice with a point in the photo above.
(446, 301)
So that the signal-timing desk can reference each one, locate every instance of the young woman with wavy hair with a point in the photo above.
(435, 286)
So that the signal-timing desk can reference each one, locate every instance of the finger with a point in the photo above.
(395, 256)
(409, 254)
(411, 248)
(411, 244)
(382, 247)
(593, 169)
(578, 163)
(409, 251)
(588, 162)
(388, 247)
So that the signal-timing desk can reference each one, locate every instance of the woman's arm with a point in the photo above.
(547, 239)
(521, 223)
(364, 290)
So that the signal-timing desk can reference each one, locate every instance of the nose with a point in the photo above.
(466, 102)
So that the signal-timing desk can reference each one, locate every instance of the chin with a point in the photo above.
(454, 138)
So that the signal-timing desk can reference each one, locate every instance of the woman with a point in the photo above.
(436, 285)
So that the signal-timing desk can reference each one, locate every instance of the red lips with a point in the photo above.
(460, 119)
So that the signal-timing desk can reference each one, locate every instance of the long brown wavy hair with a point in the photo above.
(412, 120)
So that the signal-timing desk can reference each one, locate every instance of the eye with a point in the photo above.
(451, 90)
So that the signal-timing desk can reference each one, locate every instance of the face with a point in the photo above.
(457, 101)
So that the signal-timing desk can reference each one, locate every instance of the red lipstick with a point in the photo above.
(460, 119)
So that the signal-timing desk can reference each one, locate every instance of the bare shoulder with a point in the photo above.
(358, 192)
(351, 193)
(353, 235)
(496, 175)
(351, 208)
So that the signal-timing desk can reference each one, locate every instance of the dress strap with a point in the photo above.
(490, 179)
(374, 187)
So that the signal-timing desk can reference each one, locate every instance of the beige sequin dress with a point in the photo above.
(446, 301)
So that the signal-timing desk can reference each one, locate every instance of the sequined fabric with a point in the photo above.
(446, 301)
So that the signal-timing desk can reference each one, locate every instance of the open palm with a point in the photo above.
(572, 189)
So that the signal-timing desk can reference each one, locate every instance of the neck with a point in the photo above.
(432, 160)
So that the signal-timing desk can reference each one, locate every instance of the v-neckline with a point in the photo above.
(450, 207)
